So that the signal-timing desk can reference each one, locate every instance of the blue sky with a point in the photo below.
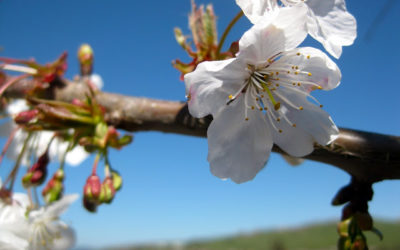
(168, 192)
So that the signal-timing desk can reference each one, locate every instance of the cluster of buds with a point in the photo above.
(95, 193)
(351, 236)
(37, 173)
(204, 32)
(104, 136)
(355, 216)
(54, 189)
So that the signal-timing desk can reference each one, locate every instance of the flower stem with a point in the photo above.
(227, 30)
(62, 163)
(9, 140)
(14, 171)
(95, 163)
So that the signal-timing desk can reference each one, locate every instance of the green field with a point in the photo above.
(319, 236)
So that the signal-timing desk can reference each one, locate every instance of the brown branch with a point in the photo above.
(369, 157)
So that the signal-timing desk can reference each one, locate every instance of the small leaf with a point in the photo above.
(377, 233)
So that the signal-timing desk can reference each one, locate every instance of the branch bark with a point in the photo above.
(369, 157)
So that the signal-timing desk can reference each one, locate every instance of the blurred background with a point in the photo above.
(168, 194)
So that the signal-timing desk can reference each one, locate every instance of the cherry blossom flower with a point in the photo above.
(39, 141)
(38, 229)
(262, 97)
(327, 21)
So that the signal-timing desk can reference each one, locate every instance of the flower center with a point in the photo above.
(42, 235)
(267, 90)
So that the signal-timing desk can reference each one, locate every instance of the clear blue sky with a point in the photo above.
(168, 192)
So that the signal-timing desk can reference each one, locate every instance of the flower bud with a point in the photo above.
(37, 173)
(85, 56)
(26, 116)
(359, 243)
(89, 205)
(92, 188)
(117, 180)
(343, 228)
(54, 188)
(107, 190)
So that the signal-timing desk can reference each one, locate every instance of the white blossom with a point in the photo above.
(328, 21)
(37, 229)
(262, 97)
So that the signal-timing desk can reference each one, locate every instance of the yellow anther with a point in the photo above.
(246, 118)
(294, 125)
(277, 73)
(294, 84)
(278, 119)
(319, 87)
(257, 99)
(265, 108)
(298, 53)
(309, 74)
(277, 105)
(262, 96)
(298, 84)
(288, 72)
(296, 73)
(271, 74)
(308, 57)
(252, 107)
(293, 67)
(280, 130)
(261, 109)
(277, 84)
(321, 106)
(231, 97)
(301, 108)
(297, 67)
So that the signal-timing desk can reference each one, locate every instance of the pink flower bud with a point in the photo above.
(37, 173)
(54, 188)
(89, 205)
(26, 116)
(92, 188)
(107, 190)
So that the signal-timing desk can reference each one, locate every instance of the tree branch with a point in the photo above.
(369, 157)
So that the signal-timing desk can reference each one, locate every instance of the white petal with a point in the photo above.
(17, 106)
(210, 85)
(9, 241)
(293, 161)
(285, 30)
(76, 156)
(324, 72)
(16, 146)
(57, 208)
(255, 10)
(293, 140)
(330, 24)
(312, 119)
(67, 238)
(238, 149)
(97, 80)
